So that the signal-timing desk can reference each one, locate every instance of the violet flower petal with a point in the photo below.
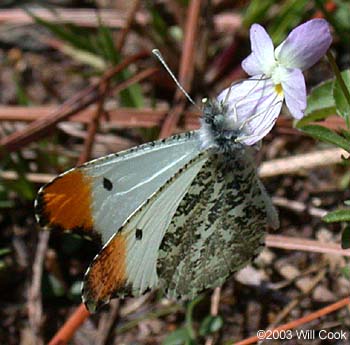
(256, 104)
(294, 90)
(305, 45)
(262, 50)
(244, 97)
(251, 65)
(261, 123)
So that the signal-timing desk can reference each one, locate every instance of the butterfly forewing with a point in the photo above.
(99, 196)
(127, 263)
(218, 227)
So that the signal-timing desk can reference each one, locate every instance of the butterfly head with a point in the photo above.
(218, 131)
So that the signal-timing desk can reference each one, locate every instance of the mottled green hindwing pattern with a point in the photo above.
(218, 228)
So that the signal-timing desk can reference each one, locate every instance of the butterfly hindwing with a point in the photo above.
(100, 195)
(127, 263)
(218, 228)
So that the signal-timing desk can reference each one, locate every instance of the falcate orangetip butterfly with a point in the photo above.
(182, 213)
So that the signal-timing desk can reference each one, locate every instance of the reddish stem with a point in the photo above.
(66, 332)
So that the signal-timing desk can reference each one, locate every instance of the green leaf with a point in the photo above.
(51, 286)
(178, 337)
(344, 182)
(132, 96)
(256, 11)
(345, 238)
(337, 216)
(345, 134)
(320, 97)
(210, 324)
(6, 204)
(158, 23)
(346, 272)
(72, 34)
(320, 103)
(4, 251)
(342, 16)
(189, 312)
(75, 291)
(106, 43)
(326, 135)
(289, 16)
(326, 99)
(341, 102)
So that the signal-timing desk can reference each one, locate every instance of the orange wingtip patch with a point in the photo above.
(66, 202)
(107, 274)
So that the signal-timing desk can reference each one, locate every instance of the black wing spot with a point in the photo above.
(138, 234)
(107, 184)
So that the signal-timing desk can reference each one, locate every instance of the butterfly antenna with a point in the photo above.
(159, 56)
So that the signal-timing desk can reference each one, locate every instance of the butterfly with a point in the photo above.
(181, 214)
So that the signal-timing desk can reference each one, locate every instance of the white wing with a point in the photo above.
(100, 195)
(127, 263)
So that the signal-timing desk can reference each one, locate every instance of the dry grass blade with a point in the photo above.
(129, 21)
(78, 16)
(121, 117)
(186, 67)
(227, 22)
(94, 123)
(81, 100)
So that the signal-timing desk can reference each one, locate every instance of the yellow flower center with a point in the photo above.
(279, 89)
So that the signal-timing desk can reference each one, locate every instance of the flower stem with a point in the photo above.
(340, 81)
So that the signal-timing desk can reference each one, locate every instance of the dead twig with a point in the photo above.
(94, 124)
(299, 207)
(304, 244)
(224, 22)
(106, 323)
(186, 68)
(292, 165)
(290, 306)
(35, 312)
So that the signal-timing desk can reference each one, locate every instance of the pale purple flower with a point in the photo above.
(276, 75)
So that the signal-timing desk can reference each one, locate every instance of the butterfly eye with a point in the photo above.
(219, 121)
(107, 184)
